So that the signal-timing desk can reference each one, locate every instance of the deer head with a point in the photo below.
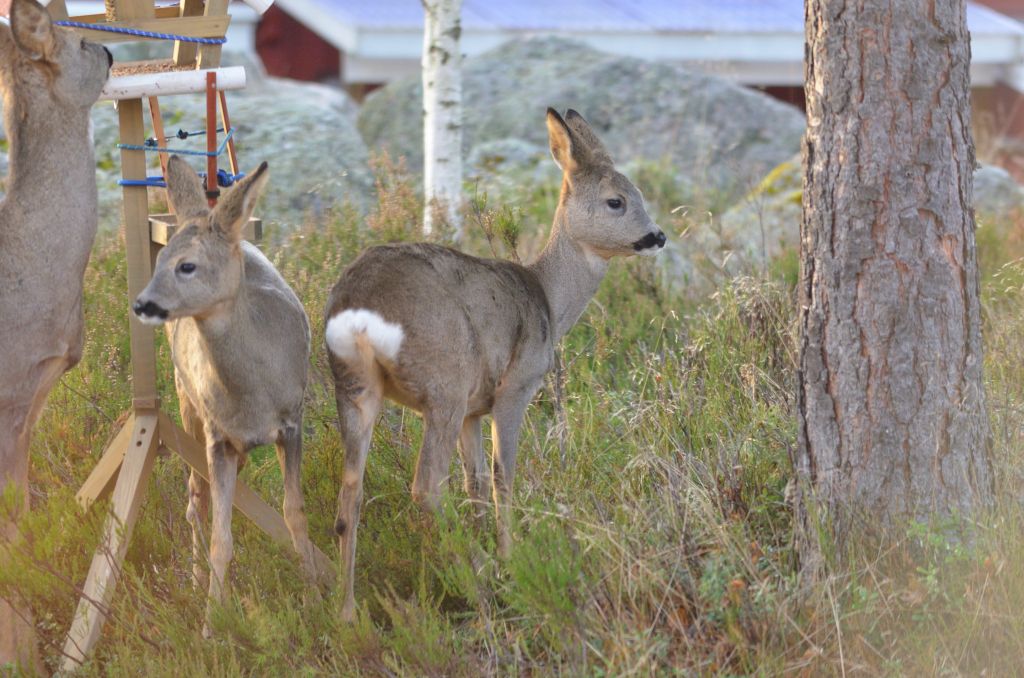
(603, 211)
(199, 272)
(51, 68)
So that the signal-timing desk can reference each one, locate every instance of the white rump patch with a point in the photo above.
(343, 329)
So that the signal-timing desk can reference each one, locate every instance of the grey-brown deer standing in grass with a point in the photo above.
(240, 343)
(49, 79)
(456, 337)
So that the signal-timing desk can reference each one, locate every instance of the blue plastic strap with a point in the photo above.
(224, 179)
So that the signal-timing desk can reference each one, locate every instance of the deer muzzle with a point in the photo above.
(652, 241)
(149, 312)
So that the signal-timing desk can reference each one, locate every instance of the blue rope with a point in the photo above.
(224, 179)
(140, 33)
(161, 149)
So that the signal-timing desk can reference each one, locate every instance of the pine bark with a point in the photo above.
(442, 114)
(892, 415)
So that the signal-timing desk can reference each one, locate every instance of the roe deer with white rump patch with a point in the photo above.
(456, 337)
(240, 342)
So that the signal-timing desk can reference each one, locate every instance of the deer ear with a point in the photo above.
(32, 30)
(588, 149)
(234, 210)
(185, 190)
(560, 140)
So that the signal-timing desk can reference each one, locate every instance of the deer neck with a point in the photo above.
(52, 163)
(569, 273)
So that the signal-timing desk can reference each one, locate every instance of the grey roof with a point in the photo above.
(656, 16)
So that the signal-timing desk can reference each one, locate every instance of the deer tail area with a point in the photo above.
(361, 338)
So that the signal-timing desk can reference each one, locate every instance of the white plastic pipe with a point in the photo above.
(143, 85)
(260, 6)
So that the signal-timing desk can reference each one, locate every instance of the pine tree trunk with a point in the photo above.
(442, 114)
(892, 417)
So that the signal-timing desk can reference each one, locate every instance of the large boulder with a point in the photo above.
(717, 136)
(765, 224)
(996, 194)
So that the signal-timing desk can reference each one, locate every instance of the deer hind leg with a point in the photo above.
(507, 419)
(357, 414)
(441, 427)
(474, 464)
(198, 512)
(223, 463)
(289, 456)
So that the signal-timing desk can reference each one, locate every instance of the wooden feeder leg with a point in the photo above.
(158, 131)
(209, 55)
(106, 563)
(101, 480)
(211, 138)
(185, 52)
(140, 452)
(226, 124)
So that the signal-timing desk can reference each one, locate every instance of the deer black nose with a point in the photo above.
(110, 57)
(149, 309)
(650, 240)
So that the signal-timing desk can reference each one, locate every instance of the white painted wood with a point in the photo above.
(442, 113)
(260, 6)
(172, 82)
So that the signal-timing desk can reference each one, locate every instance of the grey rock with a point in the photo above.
(995, 192)
(765, 224)
(507, 170)
(501, 155)
(715, 134)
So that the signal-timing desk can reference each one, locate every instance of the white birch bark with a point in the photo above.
(442, 114)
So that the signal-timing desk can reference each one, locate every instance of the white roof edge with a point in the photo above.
(1011, 24)
(339, 33)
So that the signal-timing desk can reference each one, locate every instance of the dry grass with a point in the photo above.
(654, 537)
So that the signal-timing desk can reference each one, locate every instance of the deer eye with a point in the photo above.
(615, 203)
(186, 267)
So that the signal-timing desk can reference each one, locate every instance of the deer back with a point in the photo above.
(470, 325)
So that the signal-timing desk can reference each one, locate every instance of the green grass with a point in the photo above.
(653, 535)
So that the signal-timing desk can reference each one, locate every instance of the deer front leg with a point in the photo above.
(441, 425)
(474, 464)
(507, 416)
(289, 456)
(356, 417)
(198, 512)
(223, 462)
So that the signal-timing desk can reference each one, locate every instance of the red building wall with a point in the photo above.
(290, 50)
(1014, 8)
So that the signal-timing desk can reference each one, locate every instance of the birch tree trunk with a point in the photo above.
(892, 417)
(442, 115)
